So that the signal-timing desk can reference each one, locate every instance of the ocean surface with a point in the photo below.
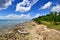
(10, 23)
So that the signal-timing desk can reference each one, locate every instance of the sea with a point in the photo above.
(4, 24)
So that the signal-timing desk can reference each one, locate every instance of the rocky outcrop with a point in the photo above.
(35, 32)
(43, 33)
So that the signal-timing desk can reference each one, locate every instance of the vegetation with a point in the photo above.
(52, 20)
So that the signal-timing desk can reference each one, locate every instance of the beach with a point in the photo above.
(30, 31)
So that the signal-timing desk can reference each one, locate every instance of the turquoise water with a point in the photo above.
(9, 23)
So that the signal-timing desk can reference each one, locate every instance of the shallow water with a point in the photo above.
(10, 23)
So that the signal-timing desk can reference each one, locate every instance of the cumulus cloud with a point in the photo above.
(37, 15)
(25, 5)
(5, 3)
(14, 16)
(47, 5)
(56, 8)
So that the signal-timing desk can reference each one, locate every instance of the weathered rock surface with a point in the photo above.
(36, 32)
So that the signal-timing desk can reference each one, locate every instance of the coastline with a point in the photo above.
(35, 32)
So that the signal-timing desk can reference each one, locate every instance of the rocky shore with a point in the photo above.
(30, 31)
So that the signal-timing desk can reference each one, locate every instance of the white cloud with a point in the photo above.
(47, 5)
(5, 3)
(25, 16)
(37, 15)
(14, 16)
(25, 5)
(56, 8)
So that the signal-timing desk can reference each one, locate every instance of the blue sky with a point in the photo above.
(22, 9)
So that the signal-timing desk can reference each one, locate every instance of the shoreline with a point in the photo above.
(30, 31)
(11, 28)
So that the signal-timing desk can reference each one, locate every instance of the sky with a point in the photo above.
(27, 9)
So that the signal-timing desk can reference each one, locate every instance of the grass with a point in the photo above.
(50, 25)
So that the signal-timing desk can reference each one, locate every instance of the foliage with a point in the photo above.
(53, 17)
(37, 20)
